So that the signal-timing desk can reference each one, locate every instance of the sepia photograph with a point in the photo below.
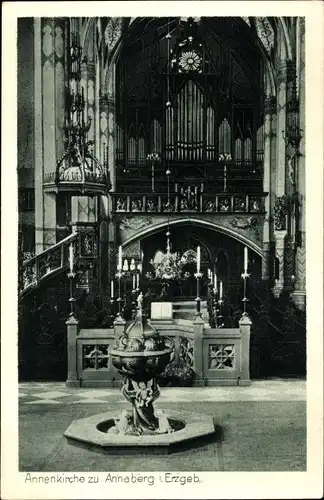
(161, 235)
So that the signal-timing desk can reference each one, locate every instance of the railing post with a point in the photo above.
(198, 330)
(62, 254)
(119, 327)
(245, 331)
(72, 333)
(37, 269)
(247, 208)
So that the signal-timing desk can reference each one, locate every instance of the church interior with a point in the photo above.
(161, 167)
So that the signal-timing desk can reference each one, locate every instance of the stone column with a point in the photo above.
(299, 294)
(245, 330)
(72, 333)
(280, 232)
(50, 79)
(280, 255)
(112, 250)
(38, 126)
(269, 110)
(198, 328)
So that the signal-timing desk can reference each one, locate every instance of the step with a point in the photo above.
(188, 305)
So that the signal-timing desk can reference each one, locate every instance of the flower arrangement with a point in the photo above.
(177, 376)
(169, 267)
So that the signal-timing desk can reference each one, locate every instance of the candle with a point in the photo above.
(142, 256)
(133, 281)
(137, 281)
(245, 259)
(132, 265)
(221, 290)
(125, 267)
(139, 268)
(215, 282)
(198, 259)
(120, 257)
(112, 289)
(71, 258)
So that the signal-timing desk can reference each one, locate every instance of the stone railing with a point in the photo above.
(56, 258)
(217, 356)
(160, 203)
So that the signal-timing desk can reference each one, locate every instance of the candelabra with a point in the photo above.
(245, 276)
(119, 276)
(71, 276)
(198, 276)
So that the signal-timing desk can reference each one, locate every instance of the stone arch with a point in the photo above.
(286, 38)
(268, 63)
(151, 229)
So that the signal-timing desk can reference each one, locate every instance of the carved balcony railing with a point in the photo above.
(194, 202)
(76, 182)
(56, 258)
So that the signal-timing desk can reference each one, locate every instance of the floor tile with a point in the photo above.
(43, 402)
(50, 394)
(96, 393)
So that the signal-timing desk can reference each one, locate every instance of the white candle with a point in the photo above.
(221, 290)
(139, 268)
(120, 257)
(71, 258)
(137, 281)
(215, 282)
(133, 281)
(142, 256)
(198, 259)
(132, 265)
(125, 267)
(112, 289)
(245, 259)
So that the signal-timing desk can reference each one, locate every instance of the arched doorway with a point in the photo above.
(220, 253)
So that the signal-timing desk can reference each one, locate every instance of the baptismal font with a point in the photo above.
(140, 355)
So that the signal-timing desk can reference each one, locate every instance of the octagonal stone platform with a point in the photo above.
(197, 429)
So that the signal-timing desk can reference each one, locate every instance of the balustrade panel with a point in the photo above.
(188, 200)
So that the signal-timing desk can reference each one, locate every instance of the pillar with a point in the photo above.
(50, 79)
(72, 333)
(280, 255)
(269, 113)
(198, 330)
(280, 216)
(245, 331)
(299, 293)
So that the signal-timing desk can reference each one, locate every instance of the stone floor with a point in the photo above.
(259, 428)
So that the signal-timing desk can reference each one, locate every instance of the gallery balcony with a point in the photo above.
(189, 203)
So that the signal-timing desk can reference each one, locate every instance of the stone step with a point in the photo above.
(188, 305)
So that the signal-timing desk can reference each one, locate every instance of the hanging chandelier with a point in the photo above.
(170, 265)
(78, 169)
